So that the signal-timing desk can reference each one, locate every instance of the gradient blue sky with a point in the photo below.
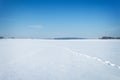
(59, 18)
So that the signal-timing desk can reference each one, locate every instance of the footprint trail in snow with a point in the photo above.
(94, 58)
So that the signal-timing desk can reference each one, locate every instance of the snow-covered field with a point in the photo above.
(34, 59)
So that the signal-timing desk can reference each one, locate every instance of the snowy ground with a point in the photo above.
(32, 59)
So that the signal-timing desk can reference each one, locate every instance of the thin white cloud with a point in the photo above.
(36, 26)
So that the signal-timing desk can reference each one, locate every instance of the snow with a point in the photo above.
(35, 59)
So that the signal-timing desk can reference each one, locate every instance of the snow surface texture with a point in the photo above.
(95, 58)
(32, 59)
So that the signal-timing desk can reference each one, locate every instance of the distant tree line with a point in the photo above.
(107, 37)
(1, 37)
(63, 38)
(67, 38)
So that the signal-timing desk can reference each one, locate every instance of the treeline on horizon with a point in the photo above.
(60, 38)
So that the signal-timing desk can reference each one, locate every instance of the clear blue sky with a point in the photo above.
(59, 18)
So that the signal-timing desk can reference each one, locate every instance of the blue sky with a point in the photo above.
(59, 18)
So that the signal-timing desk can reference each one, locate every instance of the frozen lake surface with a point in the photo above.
(34, 59)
